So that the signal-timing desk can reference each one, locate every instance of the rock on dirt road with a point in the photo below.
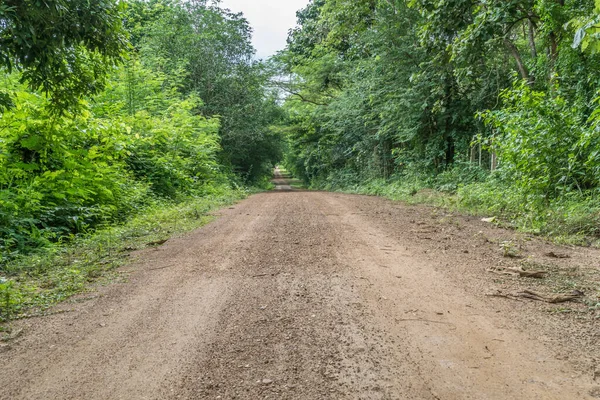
(311, 295)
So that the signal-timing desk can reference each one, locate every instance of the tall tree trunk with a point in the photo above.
(450, 150)
(517, 56)
(532, 40)
(493, 161)
(553, 48)
(554, 43)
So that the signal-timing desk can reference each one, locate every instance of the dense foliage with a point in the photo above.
(109, 107)
(431, 91)
(212, 48)
(64, 47)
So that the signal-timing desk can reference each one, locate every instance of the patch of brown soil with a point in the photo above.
(310, 295)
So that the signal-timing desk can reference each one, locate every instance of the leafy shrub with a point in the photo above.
(458, 175)
(544, 144)
(10, 299)
(58, 174)
(63, 175)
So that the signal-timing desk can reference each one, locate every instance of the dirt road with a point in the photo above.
(311, 295)
(280, 181)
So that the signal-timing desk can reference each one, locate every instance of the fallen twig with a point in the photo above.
(42, 314)
(157, 243)
(424, 320)
(158, 268)
(267, 274)
(519, 271)
(505, 296)
(557, 255)
(528, 274)
(553, 299)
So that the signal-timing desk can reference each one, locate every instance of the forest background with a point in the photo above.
(125, 122)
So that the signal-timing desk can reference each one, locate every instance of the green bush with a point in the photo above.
(58, 174)
(10, 299)
(544, 143)
(460, 174)
(64, 175)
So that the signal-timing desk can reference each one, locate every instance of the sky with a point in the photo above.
(270, 20)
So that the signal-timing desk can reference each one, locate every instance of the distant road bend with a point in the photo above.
(300, 295)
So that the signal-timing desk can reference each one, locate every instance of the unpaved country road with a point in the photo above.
(280, 181)
(307, 295)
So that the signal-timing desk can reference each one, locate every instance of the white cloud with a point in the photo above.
(270, 20)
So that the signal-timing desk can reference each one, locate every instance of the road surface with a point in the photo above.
(304, 295)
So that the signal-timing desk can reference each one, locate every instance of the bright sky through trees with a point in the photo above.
(270, 20)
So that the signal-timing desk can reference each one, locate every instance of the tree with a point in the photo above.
(213, 48)
(64, 47)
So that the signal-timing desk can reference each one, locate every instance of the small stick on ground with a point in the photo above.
(557, 255)
(157, 243)
(159, 268)
(528, 274)
(553, 299)
(267, 274)
(520, 271)
(425, 320)
(505, 296)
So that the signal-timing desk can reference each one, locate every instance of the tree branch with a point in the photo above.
(517, 56)
(297, 94)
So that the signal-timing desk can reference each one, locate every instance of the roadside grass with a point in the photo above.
(573, 219)
(29, 285)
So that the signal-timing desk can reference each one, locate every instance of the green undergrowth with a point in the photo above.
(572, 218)
(30, 284)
